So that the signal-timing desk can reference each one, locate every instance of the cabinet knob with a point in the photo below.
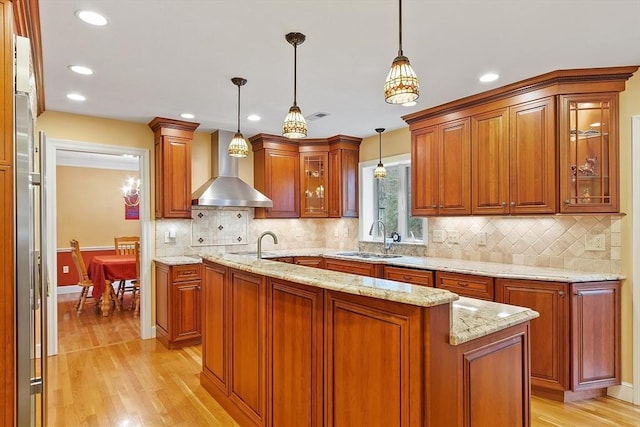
(434, 206)
(567, 202)
(441, 206)
(512, 204)
(561, 294)
(503, 204)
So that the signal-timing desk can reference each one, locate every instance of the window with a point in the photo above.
(389, 200)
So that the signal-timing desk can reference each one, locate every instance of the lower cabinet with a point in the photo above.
(575, 343)
(178, 304)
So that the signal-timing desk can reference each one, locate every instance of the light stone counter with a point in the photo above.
(179, 260)
(470, 318)
(491, 269)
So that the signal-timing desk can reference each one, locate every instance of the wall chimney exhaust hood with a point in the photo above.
(227, 189)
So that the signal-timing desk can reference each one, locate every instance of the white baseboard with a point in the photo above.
(623, 391)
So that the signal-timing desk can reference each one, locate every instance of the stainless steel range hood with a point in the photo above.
(227, 189)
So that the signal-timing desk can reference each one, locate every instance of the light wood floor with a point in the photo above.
(108, 377)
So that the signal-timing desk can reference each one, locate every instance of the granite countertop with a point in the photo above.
(179, 260)
(470, 318)
(490, 269)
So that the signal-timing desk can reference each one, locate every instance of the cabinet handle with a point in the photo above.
(407, 277)
(561, 294)
(463, 284)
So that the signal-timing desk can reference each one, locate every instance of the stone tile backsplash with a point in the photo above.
(544, 241)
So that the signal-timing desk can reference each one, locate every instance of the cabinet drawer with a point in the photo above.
(309, 261)
(408, 275)
(354, 267)
(466, 285)
(181, 273)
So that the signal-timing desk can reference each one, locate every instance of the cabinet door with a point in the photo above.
(175, 195)
(162, 303)
(424, 172)
(490, 162)
(186, 311)
(595, 335)
(589, 153)
(335, 188)
(282, 184)
(215, 342)
(248, 329)
(549, 333)
(454, 165)
(314, 187)
(532, 151)
(372, 363)
(296, 354)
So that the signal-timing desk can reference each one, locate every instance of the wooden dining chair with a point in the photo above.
(125, 245)
(83, 277)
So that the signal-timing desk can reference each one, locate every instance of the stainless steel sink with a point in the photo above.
(367, 255)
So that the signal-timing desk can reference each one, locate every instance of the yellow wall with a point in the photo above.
(90, 206)
(629, 106)
(394, 142)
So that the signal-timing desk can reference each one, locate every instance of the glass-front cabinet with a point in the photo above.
(313, 179)
(589, 177)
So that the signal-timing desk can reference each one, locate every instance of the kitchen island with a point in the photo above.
(289, 345)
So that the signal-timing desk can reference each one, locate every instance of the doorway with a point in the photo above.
(51, 149)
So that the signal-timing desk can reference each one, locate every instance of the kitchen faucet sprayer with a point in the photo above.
(384, 234)
(270, 233)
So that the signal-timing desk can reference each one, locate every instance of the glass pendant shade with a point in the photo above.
(380, 172)
(238, 146)
(294, 126)
(401, 85)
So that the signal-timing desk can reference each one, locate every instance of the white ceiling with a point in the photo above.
(163, 58)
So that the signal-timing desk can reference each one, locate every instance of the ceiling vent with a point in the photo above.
(316, 116)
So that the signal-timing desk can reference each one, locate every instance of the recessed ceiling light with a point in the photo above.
(187, 116)
(81, 69)
(489, 77)
(409, 104)
(92, 18)
(253, 117)
(76, 97)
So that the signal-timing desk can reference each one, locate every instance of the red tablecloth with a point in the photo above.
(110, 267)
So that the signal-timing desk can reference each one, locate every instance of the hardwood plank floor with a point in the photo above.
(112, 378)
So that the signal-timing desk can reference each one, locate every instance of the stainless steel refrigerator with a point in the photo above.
(30, 267)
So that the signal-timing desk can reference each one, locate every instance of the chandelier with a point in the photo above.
(294, 125)
(401, 86)
(238, 146)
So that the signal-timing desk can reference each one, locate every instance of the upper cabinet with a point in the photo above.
(312, 178)
(544, 145)
(172, 150)
(588, 135)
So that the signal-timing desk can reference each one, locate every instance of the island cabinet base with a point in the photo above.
(277, 353)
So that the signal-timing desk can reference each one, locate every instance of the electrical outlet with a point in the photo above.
(595, 242)
(438, 236)
(453, 236)
(481, 238)
(65, 268)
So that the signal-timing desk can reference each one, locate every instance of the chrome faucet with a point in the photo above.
(270, 233)
(384, 235)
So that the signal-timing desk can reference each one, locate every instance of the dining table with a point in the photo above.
(103, 270)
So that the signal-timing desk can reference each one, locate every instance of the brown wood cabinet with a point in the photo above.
(514, 159)
(172, 152)
(467, 285)
(354, 267)
(313, 178)
(408, 275)
(589, 153)
(309, 261)
(441, 169)
(525, 137)
(178, 310)
(575, 342)
(215, 334)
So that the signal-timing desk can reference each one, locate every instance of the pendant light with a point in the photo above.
(401, 85)
(238, 146)
(380, 171)
(294, 125)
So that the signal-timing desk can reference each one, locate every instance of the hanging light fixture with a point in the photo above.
(401, 85)
(380, 171)
(238, 146)
(294, 125)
